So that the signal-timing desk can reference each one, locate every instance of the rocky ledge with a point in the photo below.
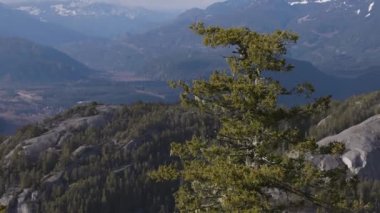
(362, 154)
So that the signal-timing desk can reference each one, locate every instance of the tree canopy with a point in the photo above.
(260, 159)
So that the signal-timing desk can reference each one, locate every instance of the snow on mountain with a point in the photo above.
(363, 8)
(62, 11)
(308, 1)
(79, 8)
(338, 36)
(370, 7)
(91, 18)
(31, 10)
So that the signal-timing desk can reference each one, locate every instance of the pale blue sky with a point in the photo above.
(153, 4)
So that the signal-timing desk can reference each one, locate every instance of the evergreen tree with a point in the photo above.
(259, 160)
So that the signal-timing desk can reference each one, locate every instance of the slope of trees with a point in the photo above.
(111, 174)
(344, 114)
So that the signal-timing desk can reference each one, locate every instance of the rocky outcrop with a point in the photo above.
(23, 200)
(88, 157)
(52, 178)
(58, 134)
(362, 148)
(326, 162)
(18, 200)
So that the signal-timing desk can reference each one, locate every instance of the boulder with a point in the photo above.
(362, 153)
(52, 178)
(85, 151)
(326, 162)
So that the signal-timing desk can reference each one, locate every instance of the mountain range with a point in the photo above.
(96, 19)
(18, 24)
(338, 37)
(22, 61)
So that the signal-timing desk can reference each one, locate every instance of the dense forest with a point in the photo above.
(102, 170)
(106, 170)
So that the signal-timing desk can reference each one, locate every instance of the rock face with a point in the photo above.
(57, 135)
(96, 158)
(22, 200)
(362, 148)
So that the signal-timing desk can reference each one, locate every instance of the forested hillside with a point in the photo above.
(95, 158)
(104, 167)
(344, 114)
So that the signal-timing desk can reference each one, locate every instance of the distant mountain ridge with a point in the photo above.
(335, 35)
(22, 61)
(327, 41)
(339, 37)
(18, 24)
(95, 18)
